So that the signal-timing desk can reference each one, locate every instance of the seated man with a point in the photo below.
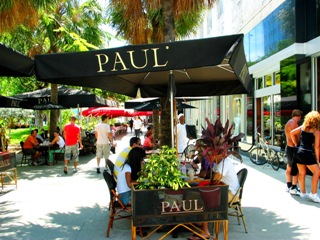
(135, 160)
(57, 145)
(225, 172)
(30, 147)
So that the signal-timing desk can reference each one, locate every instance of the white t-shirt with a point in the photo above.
(137, 123)
(122, 185)
(182, 137)
(229, 175)
(61, 142)
(102, 129)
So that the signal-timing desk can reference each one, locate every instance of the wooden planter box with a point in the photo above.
(187, 205)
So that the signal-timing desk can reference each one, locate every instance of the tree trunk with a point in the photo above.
(165, 123)
(169, 36)
(155, 124)
(54, 114)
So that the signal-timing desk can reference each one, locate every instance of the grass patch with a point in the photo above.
(19, 134)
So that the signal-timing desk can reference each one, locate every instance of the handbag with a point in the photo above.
(113, 149)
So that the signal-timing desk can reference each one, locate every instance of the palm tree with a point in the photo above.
(150, 21)
(63, 26)
(16, 12)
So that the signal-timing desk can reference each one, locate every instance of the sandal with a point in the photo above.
(196, 237)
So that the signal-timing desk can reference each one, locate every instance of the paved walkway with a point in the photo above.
(51, 205)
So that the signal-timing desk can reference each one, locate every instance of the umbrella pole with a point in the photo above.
(171, 81)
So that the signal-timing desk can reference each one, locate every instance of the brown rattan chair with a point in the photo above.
(235, 208)
(117, 209)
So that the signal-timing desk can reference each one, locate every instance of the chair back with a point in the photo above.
(110, 181)
(21, 144)
(242, 176)
(110, 165)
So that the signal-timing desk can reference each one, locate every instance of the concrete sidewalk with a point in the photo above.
(51, 205)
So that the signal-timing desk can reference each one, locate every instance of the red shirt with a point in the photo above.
(147, 142)
(71, 131)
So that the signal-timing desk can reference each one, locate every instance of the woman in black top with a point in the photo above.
(307, 141)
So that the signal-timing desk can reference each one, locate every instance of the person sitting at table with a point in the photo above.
(226, 168)
(39, 137)
(135, 160)
(30, 146)
(124, 183)
(57, 144)
(148, 141)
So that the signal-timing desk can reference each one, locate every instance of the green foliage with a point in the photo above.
(162, 170)
(19, 134)
(10, 117)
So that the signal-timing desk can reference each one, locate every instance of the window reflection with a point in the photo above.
(274, 33)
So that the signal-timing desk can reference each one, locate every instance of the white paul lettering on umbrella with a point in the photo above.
(103, 59)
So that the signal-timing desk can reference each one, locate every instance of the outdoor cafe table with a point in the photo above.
(44, 148)
(184, 207)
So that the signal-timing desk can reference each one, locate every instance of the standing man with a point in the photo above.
(131, 124)
(181, 134)
(104, 139)
(72, 137)
(292, 169)
(137, 125)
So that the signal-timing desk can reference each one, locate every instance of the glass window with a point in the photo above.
(268, 80)
(278, 78)
(272, 34)
(259, 83)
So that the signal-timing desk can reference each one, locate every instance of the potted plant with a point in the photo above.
(216, 143)
(162, 171)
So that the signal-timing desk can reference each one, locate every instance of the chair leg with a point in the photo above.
(243, 219)
(111, 218)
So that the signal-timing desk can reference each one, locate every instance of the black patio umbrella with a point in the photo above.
(133, 103)
(152, 105)
(10, 102)
(14, 64)
(67, 98)
(204, 67)
(48, 106)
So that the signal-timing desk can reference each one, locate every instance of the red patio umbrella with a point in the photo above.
(142, 113)
(109, 111)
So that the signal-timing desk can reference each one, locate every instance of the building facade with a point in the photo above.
(282, 45)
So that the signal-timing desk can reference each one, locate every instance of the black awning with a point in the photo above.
(14, 64)
(204, 67)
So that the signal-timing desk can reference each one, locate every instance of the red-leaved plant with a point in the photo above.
(217, 142)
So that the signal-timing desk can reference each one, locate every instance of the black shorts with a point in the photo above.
(30, 151)
(290, 152)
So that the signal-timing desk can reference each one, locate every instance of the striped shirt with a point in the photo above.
(120, 160)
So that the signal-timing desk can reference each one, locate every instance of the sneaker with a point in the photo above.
(75, 170)
(295, 191)
(314, 197)
(98, 170)
(35, 164)
(304, 195)
(287, 189)
(65, 170)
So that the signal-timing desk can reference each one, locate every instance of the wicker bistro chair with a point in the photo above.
(117, 210)
(25, 156)
(235, 208)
